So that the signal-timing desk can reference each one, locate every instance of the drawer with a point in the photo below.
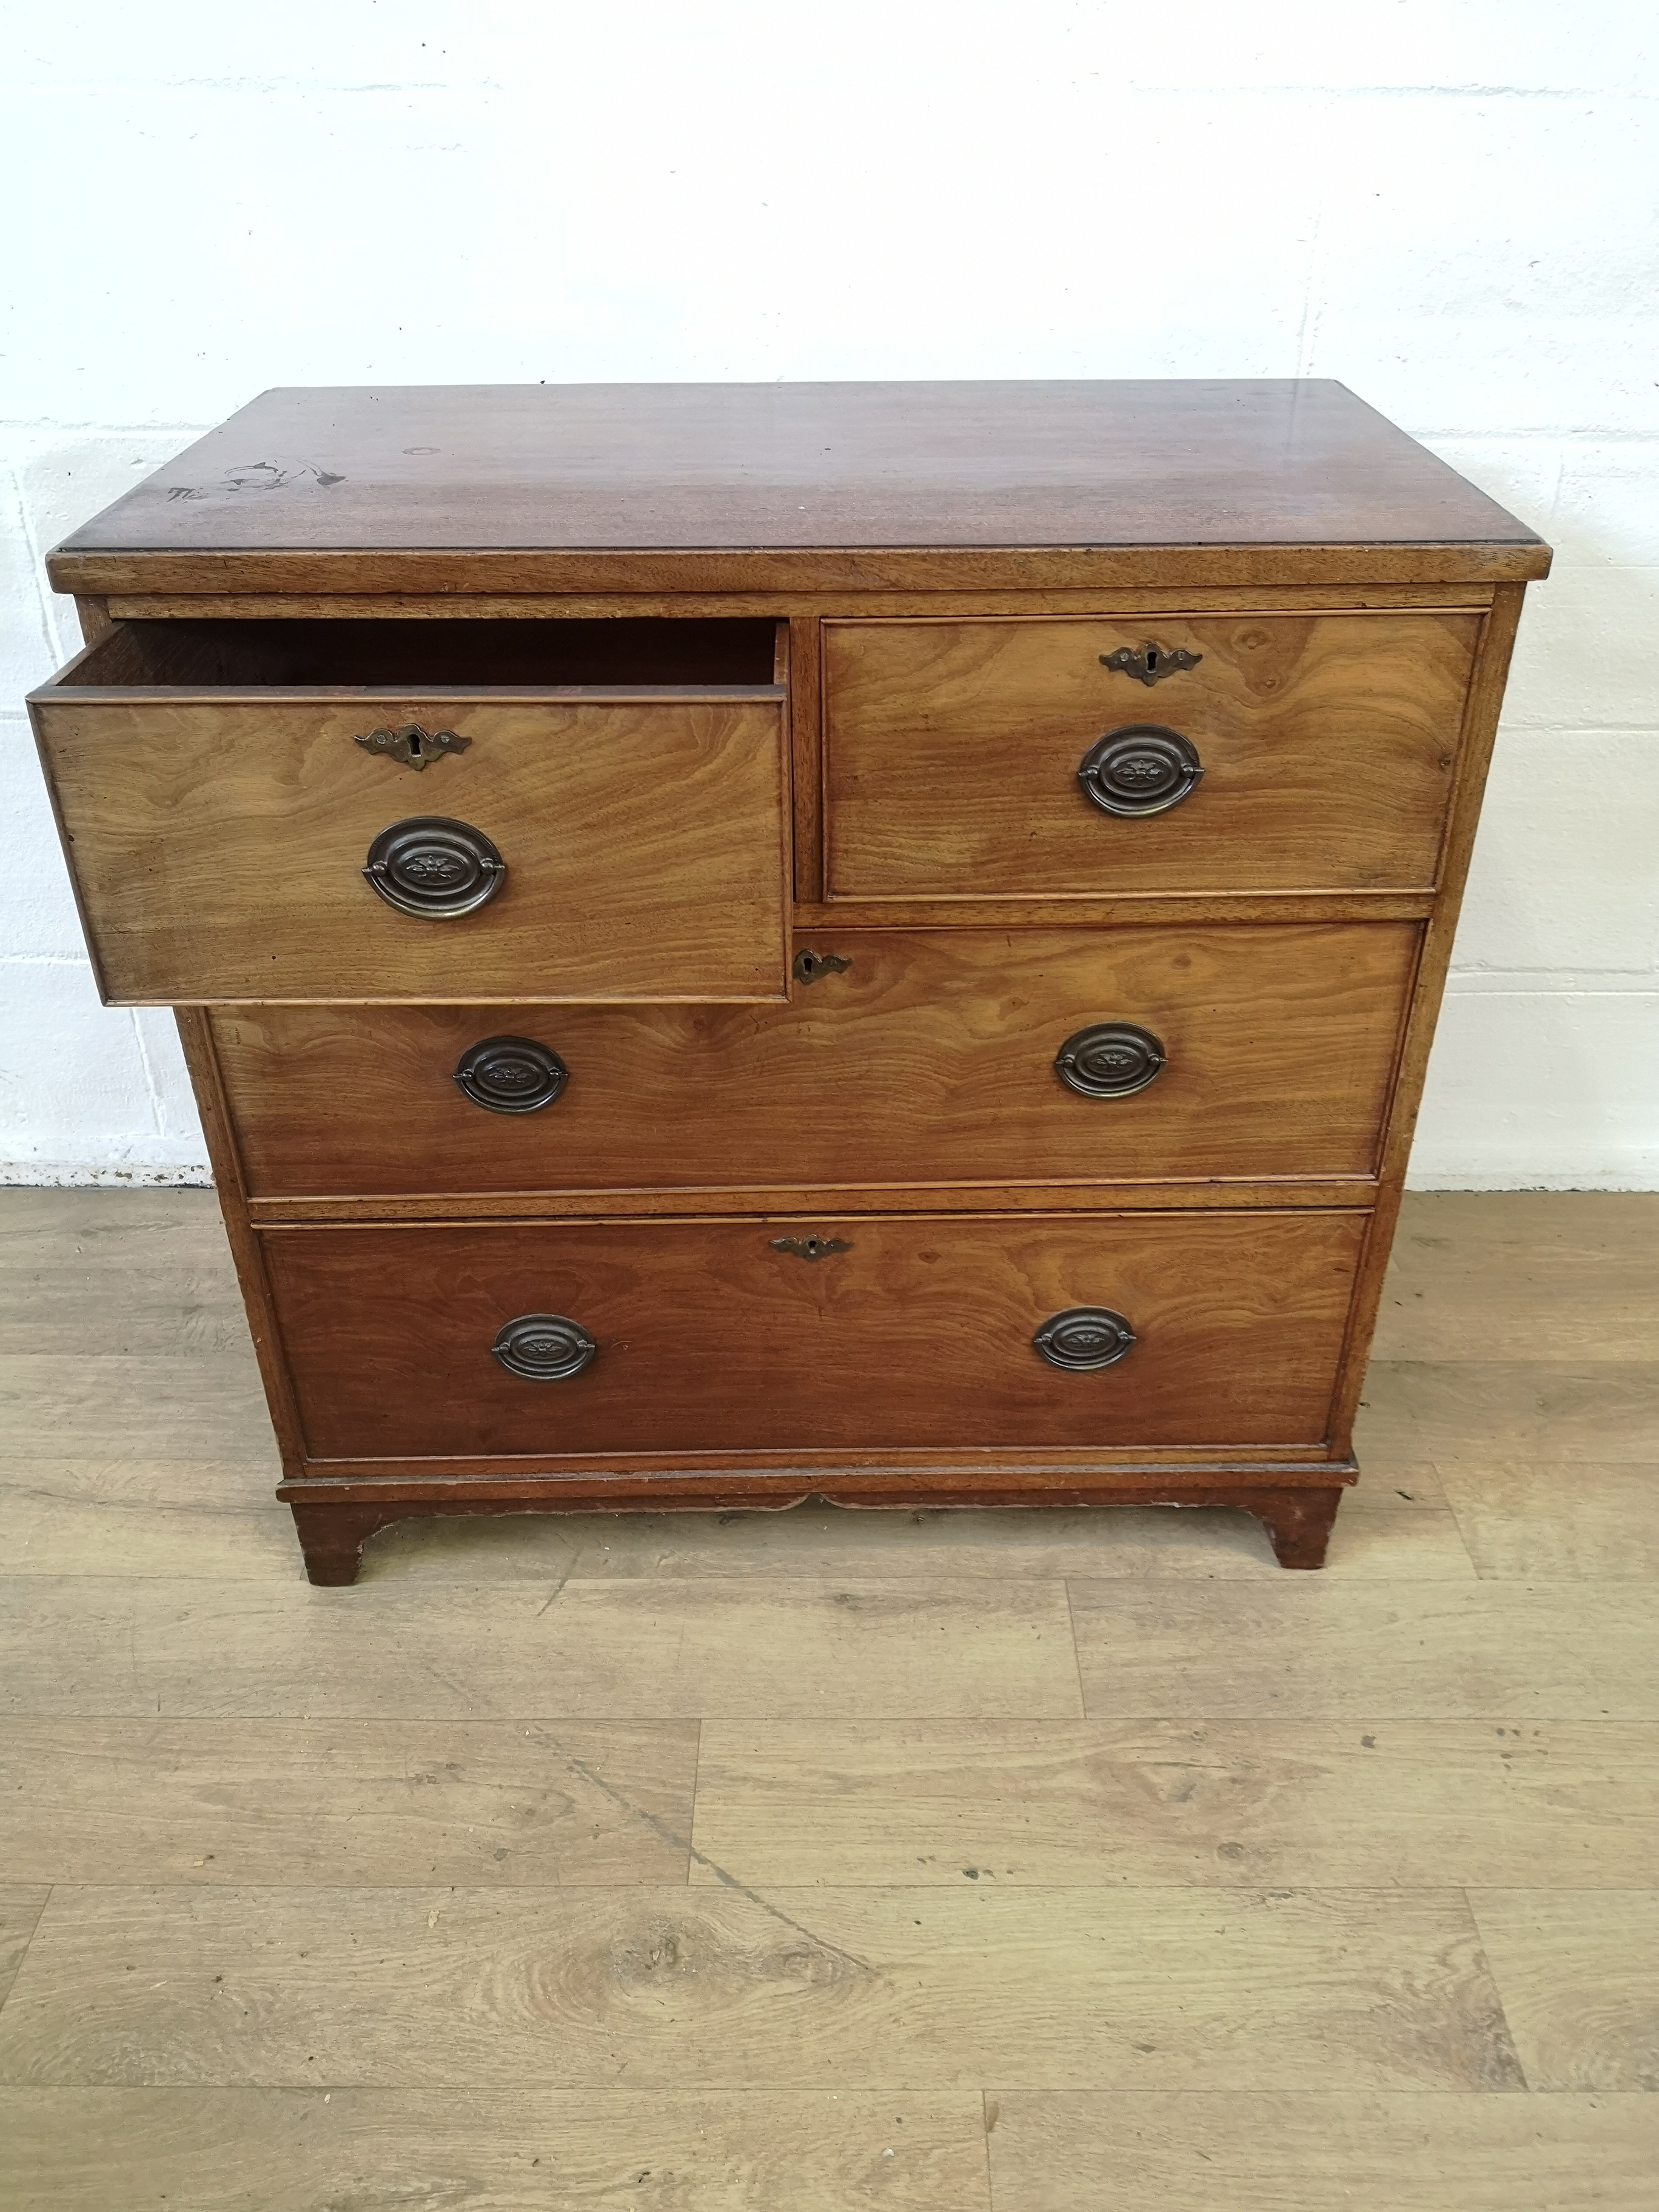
(243, 822)
(705, 1337)
(955, 754)
(933, 1057)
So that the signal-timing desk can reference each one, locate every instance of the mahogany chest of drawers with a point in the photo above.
(739, 943)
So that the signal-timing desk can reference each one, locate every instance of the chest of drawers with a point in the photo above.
(741, 943)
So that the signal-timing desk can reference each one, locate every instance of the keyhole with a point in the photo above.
(1151, 659)
(415, 744)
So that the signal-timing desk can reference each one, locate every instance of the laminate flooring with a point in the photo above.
(1035, 1863)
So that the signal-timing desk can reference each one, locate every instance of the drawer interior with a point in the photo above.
(455, 654)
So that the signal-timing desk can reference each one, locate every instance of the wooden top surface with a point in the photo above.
(786, 470)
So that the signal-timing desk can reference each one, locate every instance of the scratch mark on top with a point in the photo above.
(268, 476)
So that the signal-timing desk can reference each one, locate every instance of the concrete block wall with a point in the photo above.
(1448, 205)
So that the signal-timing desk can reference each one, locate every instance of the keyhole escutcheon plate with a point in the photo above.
(811, 1247)
(415, 747)
(1151, 664)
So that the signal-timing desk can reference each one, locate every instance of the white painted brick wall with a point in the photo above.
(1449, 205)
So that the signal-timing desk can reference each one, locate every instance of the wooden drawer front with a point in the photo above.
(918, 1334)
(218, 845)
(953, 751)
(930, 1058)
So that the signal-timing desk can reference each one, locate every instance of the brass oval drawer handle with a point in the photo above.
(1083, 1338)
(511, 1074)
(432, 866)
(1141, 769)
(1110, 1059)
(543, 1347)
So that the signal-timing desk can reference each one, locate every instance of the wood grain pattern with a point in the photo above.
(913, 1989)
(95, 618)
(101, 1474)
(1132, 1542)
(790, 1200)
(1580, 1977)
(1396, 1486)
(165, 1518)
(1502, 1275)
(48, 1527)
(56, 1406)
(568, 524)
(51, 1226)
(150, 1277)
(367, 1802)
(768, 469)
(805, 680)
(21, 1907)
(929, 1061)
(1494, 1411)
(1309, 2151)
(86, 1307)
(337, 1514)
(886, 1701)
(1548, 1519)
(951, 753)
(499, 2150)
(247, 1253)
(776, 582)
(1301, 1649)
(918, 1334)
(182, 1649)
(218, 845)
(1257, 1803)
(218, 603)
(1131, 910)
(132, 1326)
(1476, 740)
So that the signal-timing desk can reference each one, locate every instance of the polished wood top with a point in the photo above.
(790, 469)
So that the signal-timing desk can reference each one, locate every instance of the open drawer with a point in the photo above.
(444, 811)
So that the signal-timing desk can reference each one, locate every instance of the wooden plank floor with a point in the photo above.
(745, 1864)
